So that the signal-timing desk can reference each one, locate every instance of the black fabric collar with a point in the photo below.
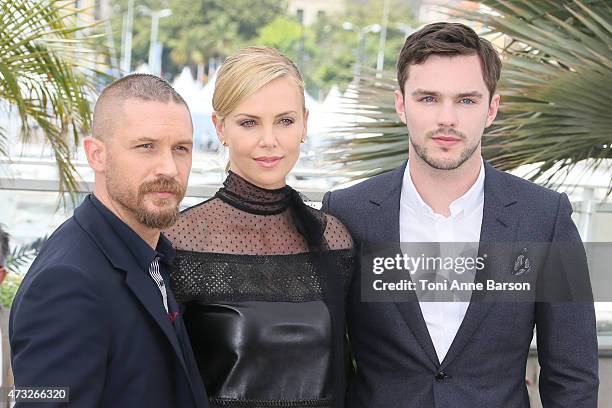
(253, 199)
(142, 252)
(247, 197)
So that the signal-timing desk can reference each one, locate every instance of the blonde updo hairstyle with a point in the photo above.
(248, 70)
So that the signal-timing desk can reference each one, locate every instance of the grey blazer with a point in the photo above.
(485, 366)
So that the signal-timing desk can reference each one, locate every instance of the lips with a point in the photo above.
(446, 140)
(163, 194)
(268, 161)
(163, 187)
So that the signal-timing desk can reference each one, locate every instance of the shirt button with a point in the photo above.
(441, 376)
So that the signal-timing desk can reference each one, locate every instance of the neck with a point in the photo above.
(439, 188)
(149, 235)
(250, 197)
(271, 186)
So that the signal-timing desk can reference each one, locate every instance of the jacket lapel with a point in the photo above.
(411, 312)
(499, 225)
(137, 280)
(144, 289)
(385, 205)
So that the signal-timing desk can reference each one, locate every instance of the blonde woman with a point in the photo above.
(260, 274)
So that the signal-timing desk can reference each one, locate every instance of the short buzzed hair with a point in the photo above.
(4, 246)
(145, 87)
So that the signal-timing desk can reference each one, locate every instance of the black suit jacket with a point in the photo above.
(89, 318)
(485, 366)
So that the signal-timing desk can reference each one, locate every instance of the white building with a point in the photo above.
(308, 11)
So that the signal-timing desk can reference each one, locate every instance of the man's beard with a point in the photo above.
(444, 164)
(160, 218)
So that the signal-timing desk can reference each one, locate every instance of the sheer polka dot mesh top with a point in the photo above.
(243, 218)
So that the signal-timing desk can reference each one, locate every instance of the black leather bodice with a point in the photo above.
(263, 351)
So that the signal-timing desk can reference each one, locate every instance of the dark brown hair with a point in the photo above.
(449, 39)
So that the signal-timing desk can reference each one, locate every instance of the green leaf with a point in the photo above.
(47, 74)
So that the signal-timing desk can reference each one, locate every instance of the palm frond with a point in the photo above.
(375, 141)
(555, 105)
(554, 86)
(48, 74)
(23, 255)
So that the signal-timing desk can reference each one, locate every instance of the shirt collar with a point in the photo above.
(467, 202)
(143, 253)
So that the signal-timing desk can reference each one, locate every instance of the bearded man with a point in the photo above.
(95, 315)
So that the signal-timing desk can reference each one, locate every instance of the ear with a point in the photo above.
(218, 127)
(95, 150)
(399, 105)
(492, 112)
(305, 130)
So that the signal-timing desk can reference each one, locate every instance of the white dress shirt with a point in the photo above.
(419, 223)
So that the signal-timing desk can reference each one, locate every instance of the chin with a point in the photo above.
(162, 205)
(442, 162)
(447, 158)
(271, 180)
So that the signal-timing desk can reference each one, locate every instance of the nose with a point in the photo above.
(268, 137)
(166, 164)
(447, 116)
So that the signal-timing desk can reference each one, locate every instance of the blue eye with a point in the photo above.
(468, 101)
(428, 99)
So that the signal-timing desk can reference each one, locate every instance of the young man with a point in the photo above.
(460, 354)
(95, 313)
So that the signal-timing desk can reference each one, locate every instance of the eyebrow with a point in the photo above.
(257, 117)
(421, 92)
(473, 94)
(150, 140)
(144, 139)
(418, 92)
